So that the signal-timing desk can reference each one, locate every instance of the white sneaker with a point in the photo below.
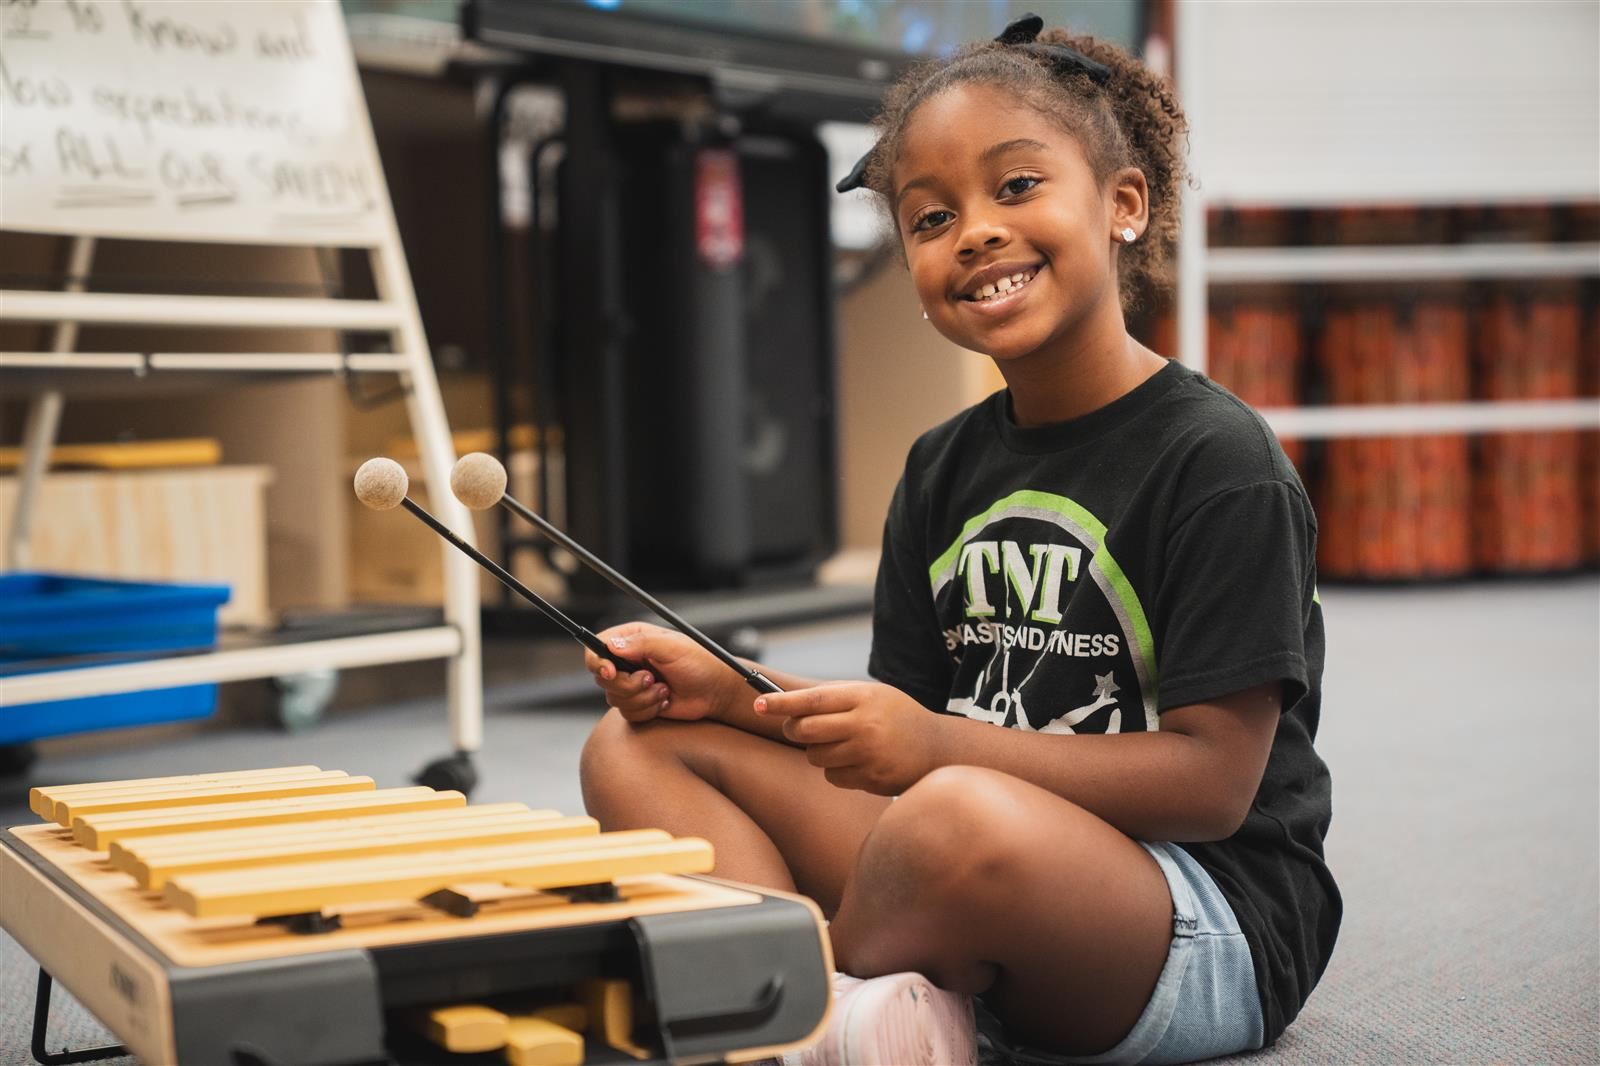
(901, 1019)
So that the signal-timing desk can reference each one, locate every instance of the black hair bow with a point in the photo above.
(1024, 34)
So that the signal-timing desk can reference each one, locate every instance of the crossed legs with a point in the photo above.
(982, 881)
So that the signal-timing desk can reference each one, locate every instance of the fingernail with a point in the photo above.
(664, 704)
(761, 706)
(607, 673)
(619, 642)
(645, 679)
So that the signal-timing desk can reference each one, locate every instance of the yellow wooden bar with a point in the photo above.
(465, 1029)
(610, 1005)
(318, 886)
(140, 790)
(97, 831)
(359, 827)
(339, 870)
(535, 1041)
(574, 1016)
(169, 846)
(41, 799)
(68, 810)
(154, 871)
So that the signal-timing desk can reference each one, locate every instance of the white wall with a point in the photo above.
(1317, 102)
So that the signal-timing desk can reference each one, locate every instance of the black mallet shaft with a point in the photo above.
(479, 481)
(382, 483)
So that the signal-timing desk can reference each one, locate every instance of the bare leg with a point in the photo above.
(772, 817)
(988, 884)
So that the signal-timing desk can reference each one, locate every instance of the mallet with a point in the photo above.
(479, 481)
(381, 484)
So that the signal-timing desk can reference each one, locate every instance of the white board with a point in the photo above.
(221, 121)
(1468, 101)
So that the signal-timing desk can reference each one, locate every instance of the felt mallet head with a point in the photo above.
(381, 484)
(478, 480)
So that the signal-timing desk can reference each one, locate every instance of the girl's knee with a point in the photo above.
(606, 741)
(961, 831)
(617, 751)
(624, 754)
(950, 839)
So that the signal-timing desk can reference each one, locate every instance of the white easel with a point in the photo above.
(228, 123)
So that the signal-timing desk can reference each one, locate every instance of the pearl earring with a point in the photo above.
(924, 316)
(1128, 235)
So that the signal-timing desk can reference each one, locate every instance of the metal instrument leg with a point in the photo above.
(41, 1021)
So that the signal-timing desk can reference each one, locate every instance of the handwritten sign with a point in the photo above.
(239, 121)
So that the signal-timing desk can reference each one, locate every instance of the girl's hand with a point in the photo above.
(863, 734)
(681, 680)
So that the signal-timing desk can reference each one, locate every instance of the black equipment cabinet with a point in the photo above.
(728, 361)
(686, 332)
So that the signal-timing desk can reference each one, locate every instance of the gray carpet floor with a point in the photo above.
(1462, 725)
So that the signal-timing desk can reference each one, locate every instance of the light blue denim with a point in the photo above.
(1205, 1002)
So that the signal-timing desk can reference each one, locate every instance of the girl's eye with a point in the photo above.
(1019, 185)
(931, 220)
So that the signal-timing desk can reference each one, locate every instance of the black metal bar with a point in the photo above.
(543, 330)
(41, 1023)
(500, 362)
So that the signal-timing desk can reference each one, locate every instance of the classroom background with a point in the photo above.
(598, 240)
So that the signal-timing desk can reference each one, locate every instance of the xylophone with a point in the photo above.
(297, 916)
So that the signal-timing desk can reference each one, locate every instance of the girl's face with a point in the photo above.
(1007, 233)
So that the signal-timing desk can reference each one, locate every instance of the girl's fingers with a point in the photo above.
(819, 728)
(642, 706)
(836, 755)
(617, 686)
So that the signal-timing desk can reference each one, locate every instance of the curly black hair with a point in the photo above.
(1129, 118)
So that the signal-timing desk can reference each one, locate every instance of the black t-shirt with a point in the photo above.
(1087, 576)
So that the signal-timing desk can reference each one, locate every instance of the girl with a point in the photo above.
(1100, 581)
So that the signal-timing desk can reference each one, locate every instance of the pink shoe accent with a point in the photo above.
(901, 1019)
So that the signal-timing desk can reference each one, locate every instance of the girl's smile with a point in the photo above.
(999, 280)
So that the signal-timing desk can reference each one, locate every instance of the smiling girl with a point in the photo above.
(1097, 645)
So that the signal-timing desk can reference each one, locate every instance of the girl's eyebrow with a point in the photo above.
(1013, 145)
(987, 155)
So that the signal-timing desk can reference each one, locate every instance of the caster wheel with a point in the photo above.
(453, 773)
(302, 698)
(17, 759)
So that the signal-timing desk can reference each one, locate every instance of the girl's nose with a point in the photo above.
(980, 235)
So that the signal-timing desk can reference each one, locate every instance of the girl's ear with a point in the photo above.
(1130, 205)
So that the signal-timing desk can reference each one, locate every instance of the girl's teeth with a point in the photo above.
(1004, 285)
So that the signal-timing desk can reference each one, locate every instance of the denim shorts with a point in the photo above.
(1205, 1002)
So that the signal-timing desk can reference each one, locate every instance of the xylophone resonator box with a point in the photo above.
(306, 917)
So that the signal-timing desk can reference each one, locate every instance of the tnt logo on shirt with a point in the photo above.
(993, 570)
(1045, 631)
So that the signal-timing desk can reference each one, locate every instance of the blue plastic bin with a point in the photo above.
(47, 616)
